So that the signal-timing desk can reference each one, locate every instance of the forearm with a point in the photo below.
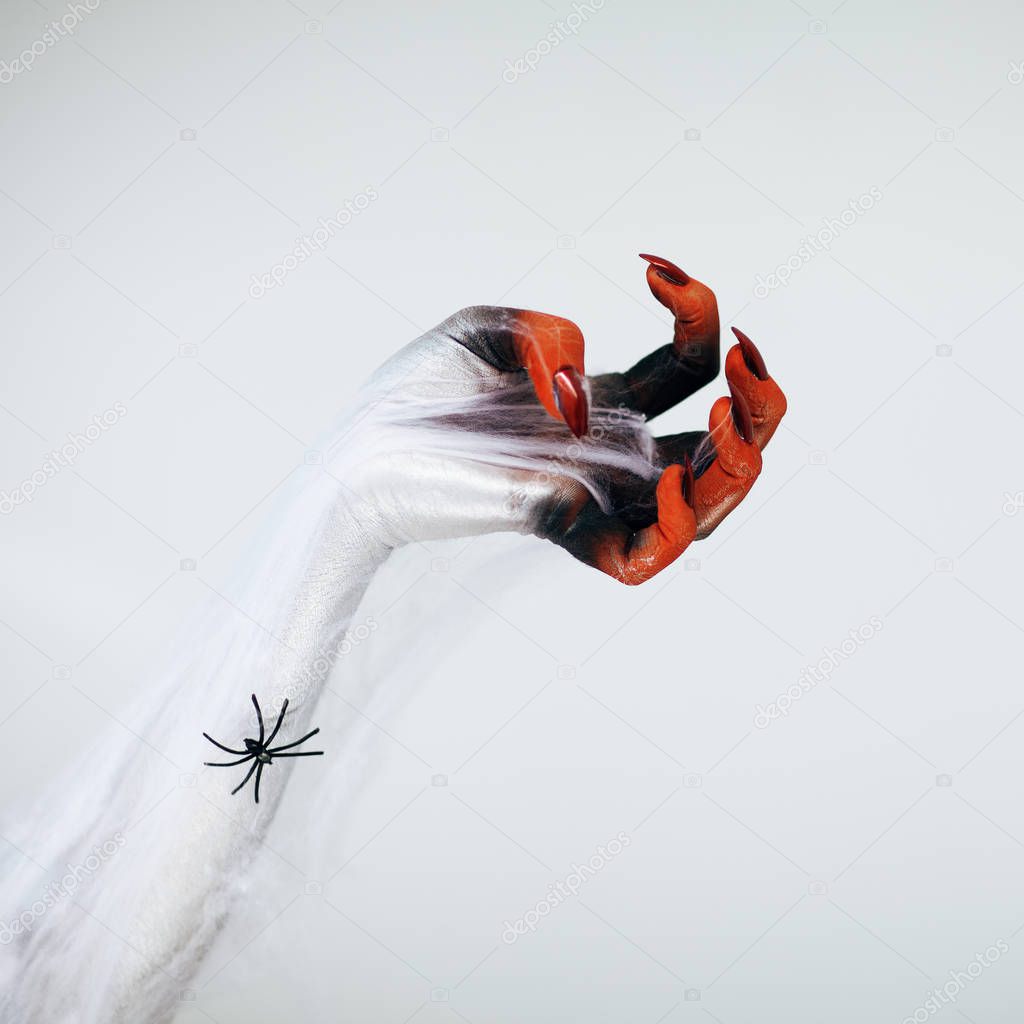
(199, 854)
(134, 935)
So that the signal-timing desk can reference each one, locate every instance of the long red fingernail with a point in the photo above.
(751, 356)
(571, 399)
(668, 270)
(741, 415)
(688, 481)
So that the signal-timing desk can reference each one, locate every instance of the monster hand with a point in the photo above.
(647, 519)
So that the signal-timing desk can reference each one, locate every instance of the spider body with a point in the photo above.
(254, 747)
(260, 751)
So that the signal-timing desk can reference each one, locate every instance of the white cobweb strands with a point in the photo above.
(121, 942)
(505, 427)
(157, 863)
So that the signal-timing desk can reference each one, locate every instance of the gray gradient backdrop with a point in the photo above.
(834, 866)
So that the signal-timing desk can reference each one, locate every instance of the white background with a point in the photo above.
(834, 866)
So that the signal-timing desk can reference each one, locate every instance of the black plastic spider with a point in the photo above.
(260, 751)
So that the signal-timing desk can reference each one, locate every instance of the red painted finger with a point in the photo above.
(737, 463)
(693, 304)
(746, 372)
(675, 371)
(551, 350)
(634, 556)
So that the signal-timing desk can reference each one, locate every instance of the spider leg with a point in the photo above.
(294, 743)
(259, 716)
(247, 777)
(298, 753)
(280, 719)
(230, 750)
(228, 764)
(259, 775)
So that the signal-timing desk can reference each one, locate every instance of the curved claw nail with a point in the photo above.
(688, 481)
(666, 269)
(751, 356)
(571, 399)
(741, 415)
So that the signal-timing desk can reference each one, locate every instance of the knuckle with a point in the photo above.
(742, 462)
(781, 405)
(474, 314)
(706, 295)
